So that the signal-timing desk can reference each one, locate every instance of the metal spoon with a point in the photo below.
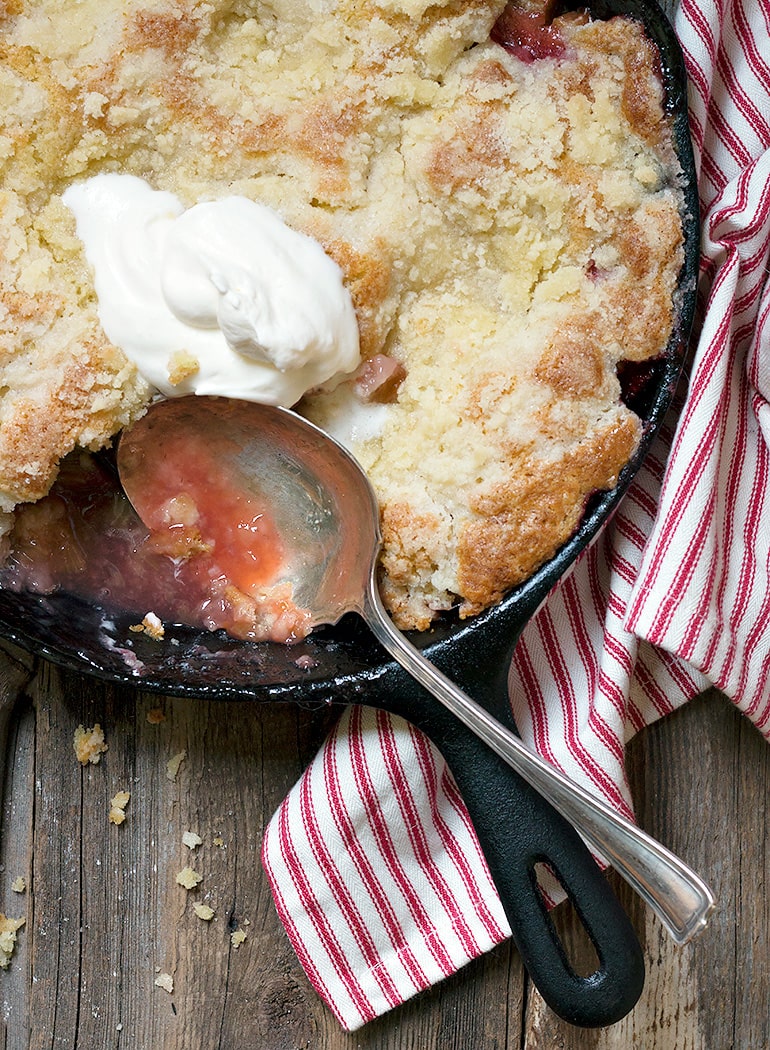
(328, 517)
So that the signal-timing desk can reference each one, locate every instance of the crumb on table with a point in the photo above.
(89, 744)
(8, 928)
(165, 981)
(189, 878)
(118, 805)
(173, 764)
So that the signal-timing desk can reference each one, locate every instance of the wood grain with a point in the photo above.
(104, 914)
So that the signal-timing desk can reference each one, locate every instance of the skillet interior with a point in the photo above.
(346, 661)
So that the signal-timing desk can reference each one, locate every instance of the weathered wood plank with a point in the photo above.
(104, 911)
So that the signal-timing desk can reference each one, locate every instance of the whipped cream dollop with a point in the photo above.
(220, 298)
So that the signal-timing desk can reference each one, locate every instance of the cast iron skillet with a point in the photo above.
(516, 827)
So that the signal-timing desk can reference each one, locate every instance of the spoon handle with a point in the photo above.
(677, 895)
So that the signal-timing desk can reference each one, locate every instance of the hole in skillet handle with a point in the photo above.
(513, 848)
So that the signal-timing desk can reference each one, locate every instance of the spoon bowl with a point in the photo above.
(322, 507)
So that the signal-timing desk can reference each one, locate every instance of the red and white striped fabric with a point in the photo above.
(375, 869)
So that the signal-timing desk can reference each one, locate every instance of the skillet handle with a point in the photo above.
(516, 829)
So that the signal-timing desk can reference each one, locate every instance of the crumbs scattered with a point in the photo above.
(155, 716)
(188, 878)
(118, 807)
(165, 981)
(89, 744)
(203, 911)
(8, 928)
(191, 839)
(219, 842)
(173, 764)
(151, 626)
(237, 937)
(19, 885)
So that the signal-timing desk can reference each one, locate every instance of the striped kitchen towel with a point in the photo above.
(375, 868)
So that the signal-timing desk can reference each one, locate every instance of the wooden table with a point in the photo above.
(105, 916)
